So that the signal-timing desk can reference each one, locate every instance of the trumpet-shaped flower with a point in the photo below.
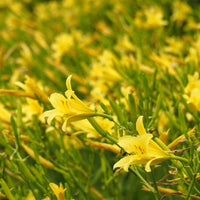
(70, 108)
(141, 149)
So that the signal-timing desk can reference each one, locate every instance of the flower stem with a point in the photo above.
(137, 173)
(102, 132)
(108, 117)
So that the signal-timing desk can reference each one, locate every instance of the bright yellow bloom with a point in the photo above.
(174, 45)
(63, 44)
(124, 44)
(192, 92)
(32, 88)
(142, 149)
(70, 108)
(58, 191)
(32, 108)
(193, 56)
(192, 24)
(103, 28)
(150, 18)
(180, 11)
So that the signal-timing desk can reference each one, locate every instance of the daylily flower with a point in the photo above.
(58, 191)
(70, 108)
(141, 149)
(191, 92)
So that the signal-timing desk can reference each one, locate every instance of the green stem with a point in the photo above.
(108, 117)
(157, 194)
(102, 132)
(137, 173)
(193, 181)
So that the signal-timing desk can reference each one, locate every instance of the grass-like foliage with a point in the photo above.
(99, 100)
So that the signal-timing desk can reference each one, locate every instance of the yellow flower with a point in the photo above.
(192, 24)
(175, 45)
(165, 62)
(180, 11)
(58, 191)
(32, 108)
(193, 56)
(63, 44)
(33, 89)
(193, 83)
(70, 108)
(142, 149)
(103, 28)
(192, 91)
(154, 17)
(150, 18)
(124, 44)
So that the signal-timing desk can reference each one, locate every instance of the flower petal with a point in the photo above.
(147, 166)
(133, 144)
(124, 162)
(69, 93)
(75, 118)
(68, 82)
(51, 114)
(57, 100)
(140, 126)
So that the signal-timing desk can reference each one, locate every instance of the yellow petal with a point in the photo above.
(147, 166)
(69, 93)
(124, 162)
(51, 114)
(68, 82)
(30, 196)
(58, 191)
(55, 189)
(76, 117)
(135, 144)
(57, 100)
(140, 126)
(156, 151)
